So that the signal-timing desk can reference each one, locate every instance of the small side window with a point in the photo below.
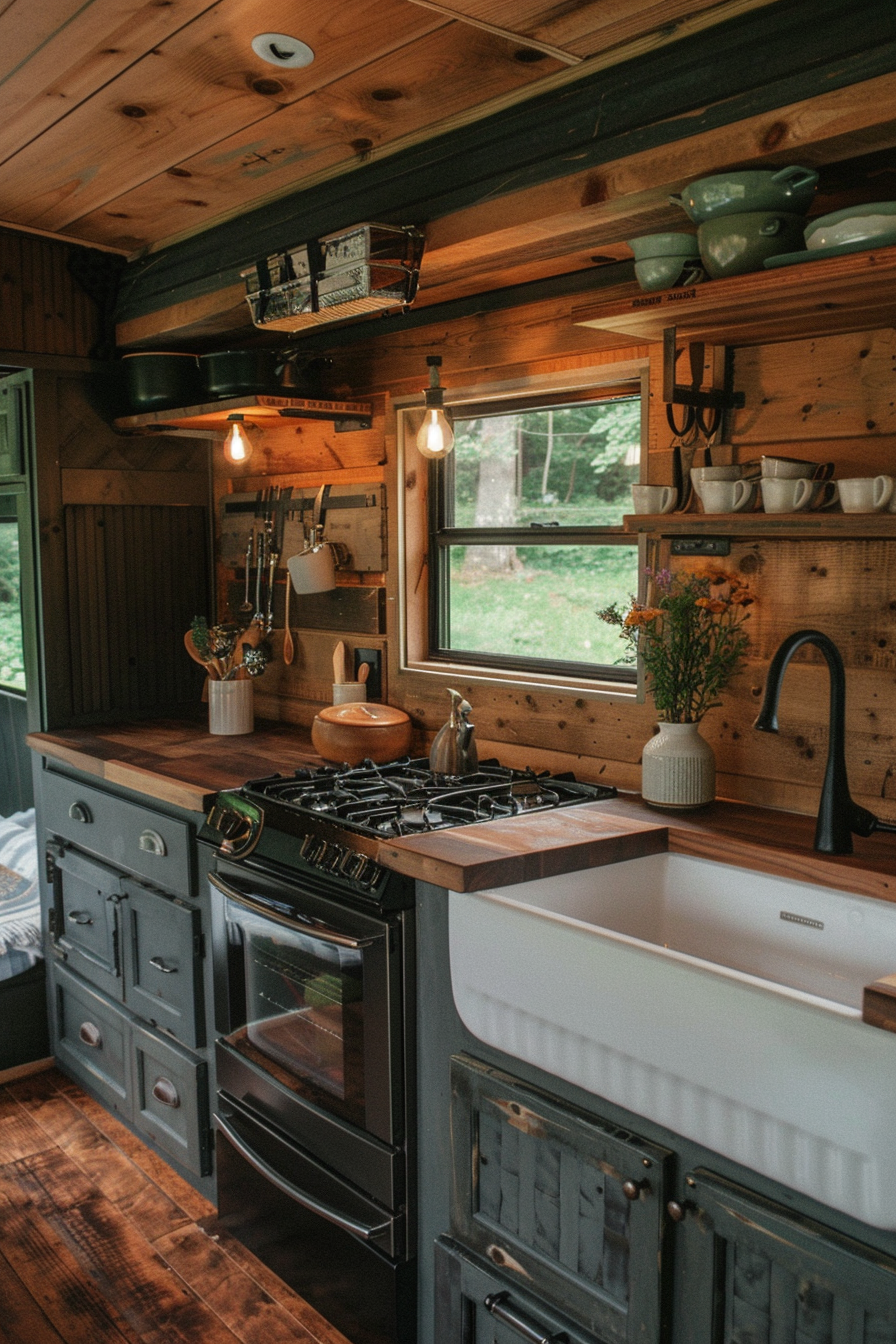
(527, 538)
(12, 659)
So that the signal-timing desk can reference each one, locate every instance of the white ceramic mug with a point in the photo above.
(865, 494)
(796, 468)
(726, 496)
(654, 498)
(313, 571)
(783, 494)
(701, 474)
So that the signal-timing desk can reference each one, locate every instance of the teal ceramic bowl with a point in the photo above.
(856, 224)
(669, 272)
(664, 245)
(789, 190)
(736, 244)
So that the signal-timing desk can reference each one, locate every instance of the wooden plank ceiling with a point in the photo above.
(129, 123)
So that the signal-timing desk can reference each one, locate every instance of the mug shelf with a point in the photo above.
(791, 526)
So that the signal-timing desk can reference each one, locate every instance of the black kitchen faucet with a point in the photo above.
(839, 818)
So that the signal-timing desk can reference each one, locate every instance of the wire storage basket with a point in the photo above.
(369, 268)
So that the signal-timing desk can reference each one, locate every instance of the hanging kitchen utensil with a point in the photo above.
(246, 604)
(289, 649)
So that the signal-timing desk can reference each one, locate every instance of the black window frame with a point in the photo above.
(443, 536)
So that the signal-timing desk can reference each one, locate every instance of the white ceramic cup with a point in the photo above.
(349, 692)
(701, 474)
(865, 494)
(781, 494)
(313, 571)
(796, 468)
(654, 498)
(726, 496)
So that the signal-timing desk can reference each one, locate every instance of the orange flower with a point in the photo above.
(711, 604)
(639, 616)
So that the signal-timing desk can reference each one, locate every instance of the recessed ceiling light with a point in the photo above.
(279, 49)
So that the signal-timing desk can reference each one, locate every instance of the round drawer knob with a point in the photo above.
(632, 1189)
(91, 1035)
(675, 1210)
(80, 812)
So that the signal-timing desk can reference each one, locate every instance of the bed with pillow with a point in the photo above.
(23, 1011)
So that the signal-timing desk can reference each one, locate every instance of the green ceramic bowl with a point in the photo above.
(736, 244)
(664, 245)
(668, 272)
(788, 189)
(855, 224)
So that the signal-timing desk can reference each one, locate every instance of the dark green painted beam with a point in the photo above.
(767, 59)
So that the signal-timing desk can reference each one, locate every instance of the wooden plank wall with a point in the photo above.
(827, 399)
(43, 310)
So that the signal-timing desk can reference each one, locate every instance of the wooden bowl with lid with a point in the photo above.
(358, 732)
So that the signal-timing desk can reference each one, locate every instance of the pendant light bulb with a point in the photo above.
(435, 437)
(237, 445)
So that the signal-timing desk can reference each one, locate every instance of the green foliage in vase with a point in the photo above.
(689, 638)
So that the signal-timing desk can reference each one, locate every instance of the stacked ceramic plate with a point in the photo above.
(855, 229)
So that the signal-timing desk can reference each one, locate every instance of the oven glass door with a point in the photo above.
(312, 999)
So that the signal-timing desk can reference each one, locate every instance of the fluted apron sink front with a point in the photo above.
(720, 1002)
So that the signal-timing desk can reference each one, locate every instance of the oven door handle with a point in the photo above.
(292, 921)
(364, 1231)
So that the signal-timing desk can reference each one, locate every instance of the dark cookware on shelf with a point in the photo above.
(261, 372)
(161, 380)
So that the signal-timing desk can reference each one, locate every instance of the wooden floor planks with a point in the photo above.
(102, 1243)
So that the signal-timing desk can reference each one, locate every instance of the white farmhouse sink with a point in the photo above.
(722, 1003)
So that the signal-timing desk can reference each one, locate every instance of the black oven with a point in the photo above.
(314, 1056)
(315, 1006)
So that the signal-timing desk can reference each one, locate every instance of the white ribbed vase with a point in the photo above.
(678, 767)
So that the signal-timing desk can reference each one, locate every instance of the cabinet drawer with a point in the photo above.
(563, 1203)
(476, 1305)
(163, 961)
(92, 1040)
(171, 1099)
(87, 918)
(133, 837)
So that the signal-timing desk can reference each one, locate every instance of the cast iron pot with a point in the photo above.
(789, 189)
(161, 381)
(241, 373)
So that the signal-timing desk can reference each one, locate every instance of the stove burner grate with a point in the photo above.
(405, 797)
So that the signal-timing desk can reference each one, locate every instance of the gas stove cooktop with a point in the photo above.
(332, 820)
(406, 797)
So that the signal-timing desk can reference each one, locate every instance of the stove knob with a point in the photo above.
(332, 858)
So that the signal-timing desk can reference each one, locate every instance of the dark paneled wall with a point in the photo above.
(16, 789)
(43, 310)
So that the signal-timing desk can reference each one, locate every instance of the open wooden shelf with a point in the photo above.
(793, 526)
(260, 409)
(856, 292)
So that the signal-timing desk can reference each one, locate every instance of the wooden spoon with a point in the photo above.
(363, 672)
(288, 646)
(339, 663)
(195, 655)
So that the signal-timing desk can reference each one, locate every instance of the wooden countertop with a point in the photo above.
(178, 761)
(181, 763)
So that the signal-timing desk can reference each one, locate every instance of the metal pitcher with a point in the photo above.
(453, 751)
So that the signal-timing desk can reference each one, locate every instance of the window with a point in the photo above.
(526, 534)
(12, 658)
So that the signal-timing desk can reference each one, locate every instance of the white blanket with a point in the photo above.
(19, 896)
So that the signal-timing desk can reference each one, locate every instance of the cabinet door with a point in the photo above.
(86, 918)
(163, 961)
(474, 1305)
(758, 1274)
(171, 1099)
(92, 1040)
(564, 1204)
